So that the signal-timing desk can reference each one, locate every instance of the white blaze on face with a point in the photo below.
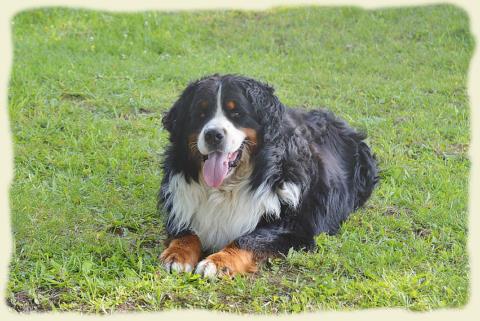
(216, 167)
(233, 136)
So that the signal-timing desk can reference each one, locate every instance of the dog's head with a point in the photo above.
(218, 119)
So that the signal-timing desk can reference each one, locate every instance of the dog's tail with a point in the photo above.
(365, 176)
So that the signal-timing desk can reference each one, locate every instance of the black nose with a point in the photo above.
(214, 136)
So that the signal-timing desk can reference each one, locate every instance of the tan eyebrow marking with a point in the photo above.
(203, 104)
(230, 105)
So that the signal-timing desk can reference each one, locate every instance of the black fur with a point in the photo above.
(312, 149)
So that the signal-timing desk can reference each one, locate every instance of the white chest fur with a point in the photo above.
(219, 216)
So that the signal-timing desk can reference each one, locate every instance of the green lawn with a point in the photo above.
(86, 96)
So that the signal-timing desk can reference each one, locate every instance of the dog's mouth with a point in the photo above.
(217, 165)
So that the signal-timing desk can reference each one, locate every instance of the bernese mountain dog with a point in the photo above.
(246, 178)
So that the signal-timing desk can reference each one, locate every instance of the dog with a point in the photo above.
(247, 178)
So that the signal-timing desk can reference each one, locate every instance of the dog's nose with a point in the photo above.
(214, 136)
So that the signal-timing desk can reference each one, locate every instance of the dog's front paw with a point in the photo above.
(176, 261)
(182, 254)
(230, 261)
(210, 269)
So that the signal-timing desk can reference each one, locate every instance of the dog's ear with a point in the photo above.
(269, 109)
(169, 118)
(173, 119)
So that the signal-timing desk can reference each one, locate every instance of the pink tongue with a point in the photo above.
(215, 168)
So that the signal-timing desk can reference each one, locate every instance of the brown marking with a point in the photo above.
(185, 250)
(251, 141)
(234, 260)
(203, 104)
(230, 105)
(192, 144)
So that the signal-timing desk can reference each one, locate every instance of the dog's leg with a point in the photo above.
(229, 261)
(182, 254)
(245, 253)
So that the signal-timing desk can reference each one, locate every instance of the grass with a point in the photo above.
(86, 95)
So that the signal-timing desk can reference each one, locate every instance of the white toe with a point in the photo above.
(179, 267)
(200, 267)
(210, 270)
(206, 268)
(167, 266)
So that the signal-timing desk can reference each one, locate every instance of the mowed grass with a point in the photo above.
(86, 96)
